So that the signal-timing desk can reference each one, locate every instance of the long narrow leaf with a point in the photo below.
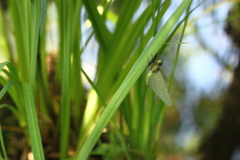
(2, 145)
(102, 33)
(32, 122)
(64, 8)
(5, 88)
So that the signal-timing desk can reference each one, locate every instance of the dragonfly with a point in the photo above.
(156, 82)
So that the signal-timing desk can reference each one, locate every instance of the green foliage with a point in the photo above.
(2, 145)
(48, 90)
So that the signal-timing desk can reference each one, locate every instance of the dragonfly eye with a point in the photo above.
(159, 63)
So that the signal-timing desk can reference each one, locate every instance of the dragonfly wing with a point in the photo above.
(157, 84)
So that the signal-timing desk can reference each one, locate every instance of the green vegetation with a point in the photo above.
(45, 92)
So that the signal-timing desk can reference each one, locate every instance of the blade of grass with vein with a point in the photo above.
(131, 78)
(35, 136)
(64, 10)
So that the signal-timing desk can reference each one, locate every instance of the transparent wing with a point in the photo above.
(157, 84)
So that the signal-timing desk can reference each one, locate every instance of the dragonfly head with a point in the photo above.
(159, 63)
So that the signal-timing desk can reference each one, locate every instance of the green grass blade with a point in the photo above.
(131, 78)
(11, 68)
(43, 14)
(15, 91)
(36, 18)
(94, 87)
(35, 136)
(2, 145)
(125, 17)
(5, 88)
(100, 29)
(20, 14)
(64, 8)
(77, 90)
